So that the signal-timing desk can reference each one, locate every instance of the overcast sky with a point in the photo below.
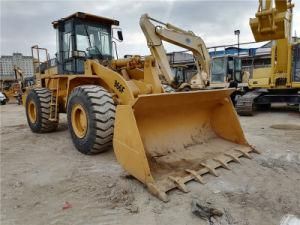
(26, 23)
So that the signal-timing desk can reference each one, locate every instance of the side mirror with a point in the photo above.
(120, 35)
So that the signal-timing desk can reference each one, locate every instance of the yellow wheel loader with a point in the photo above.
(163, 139)
(279, 83)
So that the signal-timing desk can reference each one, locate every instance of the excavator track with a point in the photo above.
(245, 104)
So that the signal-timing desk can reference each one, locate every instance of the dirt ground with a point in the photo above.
(41, 172)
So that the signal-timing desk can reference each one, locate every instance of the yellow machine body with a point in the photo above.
(13, 88)
(162, 139)
(280, 82)
(273, 21)
(13, 91)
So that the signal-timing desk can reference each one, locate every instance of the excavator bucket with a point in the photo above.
(272, 23)
(166, 140)
(262, 30)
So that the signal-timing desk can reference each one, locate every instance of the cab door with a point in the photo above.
(296, 63)
(238, 70)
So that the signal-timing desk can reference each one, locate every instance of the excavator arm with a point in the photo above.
(272, 22)
(18, 73)
(155, 34)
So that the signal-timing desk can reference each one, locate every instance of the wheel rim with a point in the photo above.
(79, 120)
(32, 112)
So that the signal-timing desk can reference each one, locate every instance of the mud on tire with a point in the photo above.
(99, 111)
(40, 98)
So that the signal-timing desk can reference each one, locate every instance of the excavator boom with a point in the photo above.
(177, 36)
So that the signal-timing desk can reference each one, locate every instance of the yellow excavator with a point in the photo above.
(156, 32)
(279, 83)
(163, 139)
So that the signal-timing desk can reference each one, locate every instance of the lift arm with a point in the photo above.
(174, 35)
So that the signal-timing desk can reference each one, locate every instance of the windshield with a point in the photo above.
(179, 74)
(173, 69)
(296, 59)
(94, 40)
(218, 70)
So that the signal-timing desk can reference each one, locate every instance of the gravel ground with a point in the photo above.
(43, 173)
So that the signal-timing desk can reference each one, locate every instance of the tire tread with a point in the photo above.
(102, 108)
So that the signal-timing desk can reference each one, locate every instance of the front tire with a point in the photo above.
(91, 117)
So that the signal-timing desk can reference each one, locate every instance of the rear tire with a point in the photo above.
(38, 111)
(91, 117)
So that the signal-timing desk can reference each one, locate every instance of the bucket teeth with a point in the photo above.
(180, 185)
(156, 192)
(255, 150)
(245, 154)
(233, 157)
(211, 170)
(223, 163)
(196, 176)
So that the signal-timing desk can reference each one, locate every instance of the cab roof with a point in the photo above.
(89, 17)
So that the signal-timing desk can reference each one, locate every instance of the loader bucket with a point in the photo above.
(166, 140)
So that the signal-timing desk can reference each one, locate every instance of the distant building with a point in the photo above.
(7, 63)
(251, 57)
(180, 58)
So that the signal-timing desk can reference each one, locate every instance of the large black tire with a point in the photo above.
(41, 98)
(99, 111)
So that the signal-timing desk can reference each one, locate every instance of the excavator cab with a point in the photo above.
(179, 73)
(226, 69)
(82, 36)
(185, 77)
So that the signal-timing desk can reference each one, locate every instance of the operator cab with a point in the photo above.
(179, 74)
(226, 69)
(82, 36)
(183, 73)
